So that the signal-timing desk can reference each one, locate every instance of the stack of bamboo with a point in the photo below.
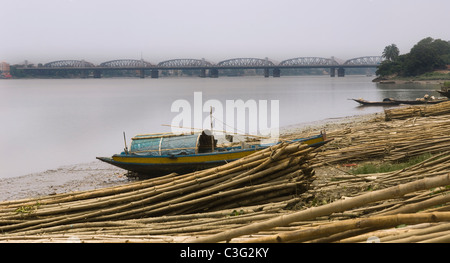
(162, 229)
(420, 203)
(406, 200)
(353, 185)
(274, 174)
(392, 141)
(418, 111)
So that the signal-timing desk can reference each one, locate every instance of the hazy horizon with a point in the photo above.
(42, 31)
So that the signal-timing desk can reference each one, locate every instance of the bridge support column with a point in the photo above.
(84, 74)
(332, 72)
(213, 73)
(266, 73)
(142, 73)
(97, 73)
(203, 73)
(276, 72)
(341, 72)
(155, 74)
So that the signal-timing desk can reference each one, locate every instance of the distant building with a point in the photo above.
(4, 70)
(4, 67)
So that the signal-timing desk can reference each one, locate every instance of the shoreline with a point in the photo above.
(403, 81)
(418, 79)
(97, 174)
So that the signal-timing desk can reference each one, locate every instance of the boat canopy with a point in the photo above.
(170, 144)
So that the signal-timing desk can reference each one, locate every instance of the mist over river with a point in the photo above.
(47, 123)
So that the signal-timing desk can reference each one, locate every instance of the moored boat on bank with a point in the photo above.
(153, 155)
(445, 90)
(394, 102)
(445, 93)
(422, 101)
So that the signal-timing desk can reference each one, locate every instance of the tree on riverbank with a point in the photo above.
(427, 55)
(391, 52)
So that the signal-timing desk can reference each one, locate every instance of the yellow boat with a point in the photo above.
(153, 155)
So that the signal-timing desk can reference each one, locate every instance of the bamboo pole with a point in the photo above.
(437, 200)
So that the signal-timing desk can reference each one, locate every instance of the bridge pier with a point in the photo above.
(213, 73)
(97, 74)
(142, 73)
(84, 74)
(332, 72)
(276, 72)
(341, 72)
(203, 73)
(266, 73)
(155, 74)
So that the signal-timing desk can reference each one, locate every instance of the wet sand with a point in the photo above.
(96, 174)
(77, 177)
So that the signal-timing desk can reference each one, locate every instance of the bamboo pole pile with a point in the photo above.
(275, 174)
(162, 229)
(391, 141)
(353, 185)
(424, 207)
(421, 200)
(358, 228)
(438, 109)
(425, 228)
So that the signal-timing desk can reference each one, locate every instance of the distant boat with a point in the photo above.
(394, 102)
(153, 155)
(5, 76)
(385, 102)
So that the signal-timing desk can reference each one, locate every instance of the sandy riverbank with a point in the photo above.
(96, 174)
(77, 177)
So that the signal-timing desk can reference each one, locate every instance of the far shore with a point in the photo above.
(408, 81)
(433, 78)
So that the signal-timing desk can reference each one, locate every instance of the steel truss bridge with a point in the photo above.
(208, 68)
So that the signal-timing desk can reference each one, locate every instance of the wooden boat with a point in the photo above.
(445, 89)
(444, 92)
(153, 155)
(422, 101)
(394, 102)
(385, 102)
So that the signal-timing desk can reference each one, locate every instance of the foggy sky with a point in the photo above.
(42, 31)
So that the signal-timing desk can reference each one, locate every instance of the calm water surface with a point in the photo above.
(45, 124)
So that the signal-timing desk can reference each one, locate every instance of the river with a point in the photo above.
(48, 123)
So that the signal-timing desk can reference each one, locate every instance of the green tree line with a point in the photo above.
(427, 55)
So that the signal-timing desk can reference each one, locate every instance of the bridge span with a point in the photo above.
(207, 68)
